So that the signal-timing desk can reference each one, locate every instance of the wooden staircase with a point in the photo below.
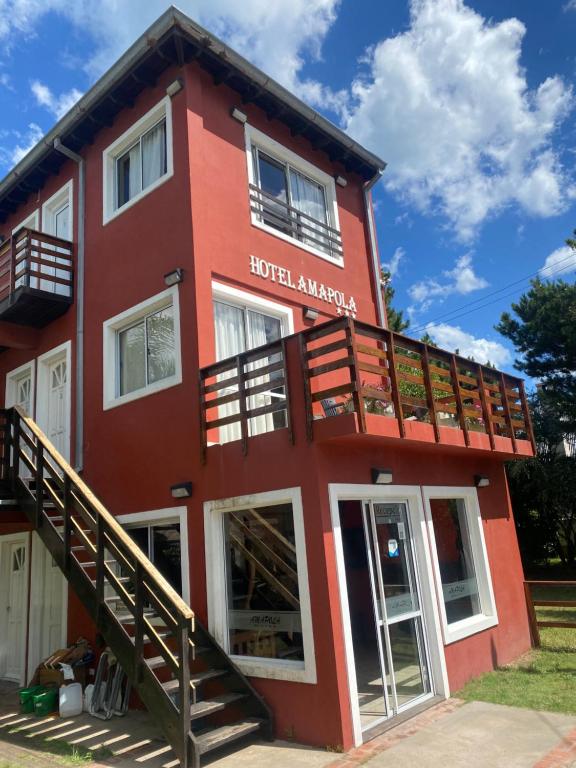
(190, 686)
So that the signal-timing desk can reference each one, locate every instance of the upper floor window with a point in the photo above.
(139, 160)
(142, 349)
(291, 198)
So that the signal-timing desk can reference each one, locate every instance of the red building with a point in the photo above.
(191, 311)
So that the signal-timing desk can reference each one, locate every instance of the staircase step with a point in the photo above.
(128, 618)
(207, 707)
(226, 734)
(155, 662)
(147, 640)
(8, 502)
(196, 678)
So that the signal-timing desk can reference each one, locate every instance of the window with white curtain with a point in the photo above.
(292, 198)
(139, 160)
(238, 329)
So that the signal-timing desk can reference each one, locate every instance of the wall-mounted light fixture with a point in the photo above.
(310, 313)
(237, 114)
(481, 481)
(341, 181)
(181, 490)
(175, 87)
(176, 276)
(381, 476)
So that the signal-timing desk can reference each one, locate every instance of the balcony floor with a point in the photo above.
(345, 427)
(33, 307)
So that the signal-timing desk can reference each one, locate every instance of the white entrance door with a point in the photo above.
(13, 624)
(53, 404)
(52, 607)
(19, 391)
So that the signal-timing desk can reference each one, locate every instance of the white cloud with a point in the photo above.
(570, 6)
(448, 104)
(559, 262)
(460, 280)
(452, 337)
(57, 105)
(25, 143)
(393, 266)
(276, 35)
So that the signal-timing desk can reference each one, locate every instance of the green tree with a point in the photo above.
(543, 489)
(427, 339)
(396, 320)
(544, 333)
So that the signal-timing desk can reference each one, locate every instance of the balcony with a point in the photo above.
(290, 221)
(357, 380)
(36, 278)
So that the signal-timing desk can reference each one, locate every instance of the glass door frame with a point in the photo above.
(383, 622)
(411, 495)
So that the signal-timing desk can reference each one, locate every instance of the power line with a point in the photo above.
(466, 307)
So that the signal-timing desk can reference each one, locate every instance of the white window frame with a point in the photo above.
(161, 517)
(125, 319)
(489, 616)
(64, 196)
(244, 300)
(32, 221)
(162, 110)
(214, 539)
(255, 138)
(11, 379)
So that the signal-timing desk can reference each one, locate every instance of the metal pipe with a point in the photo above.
(381, 312)
(79, 300)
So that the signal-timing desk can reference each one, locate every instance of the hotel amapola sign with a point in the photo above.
(343, 304)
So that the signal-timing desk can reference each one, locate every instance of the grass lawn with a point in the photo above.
(545, 678)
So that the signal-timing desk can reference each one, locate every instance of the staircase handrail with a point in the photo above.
(186, 613)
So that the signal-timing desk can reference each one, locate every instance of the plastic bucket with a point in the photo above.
(70, 700)
(46, 702)
(27, 698)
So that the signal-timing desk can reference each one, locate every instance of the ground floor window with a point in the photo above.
(161, 543)
(263, 600)
(461, 562)
(258, 596)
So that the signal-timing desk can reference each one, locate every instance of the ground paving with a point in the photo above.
(449, 735)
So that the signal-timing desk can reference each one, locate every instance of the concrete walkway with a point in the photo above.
(449, 735)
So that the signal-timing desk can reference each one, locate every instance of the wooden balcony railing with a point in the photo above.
(352, 367)
(372, 370)
(295, 223)
(31, 259)
(245, 395)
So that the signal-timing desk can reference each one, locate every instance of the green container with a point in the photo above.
(46, 702)
(27, 698)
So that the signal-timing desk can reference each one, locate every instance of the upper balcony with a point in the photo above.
(356, 381)
(36, 278)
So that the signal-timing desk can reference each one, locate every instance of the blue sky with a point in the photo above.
(470, 103)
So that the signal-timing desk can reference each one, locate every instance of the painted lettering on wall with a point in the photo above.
(343, 304)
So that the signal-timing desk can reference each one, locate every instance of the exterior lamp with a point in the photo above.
(381, 476)
(175, 86)
(174, 277)
(341, 181)
(481, 481)
(310, 313)
(181, 490)
(237, 114)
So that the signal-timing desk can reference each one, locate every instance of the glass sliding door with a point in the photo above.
(388, 634)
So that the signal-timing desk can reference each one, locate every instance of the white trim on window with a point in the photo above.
(488, 617)
(214, 511)
(32, 221)
(160, 111)
(254, 137)
(54, 204)
(161, 516)
(111, 327)
(230, 295)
